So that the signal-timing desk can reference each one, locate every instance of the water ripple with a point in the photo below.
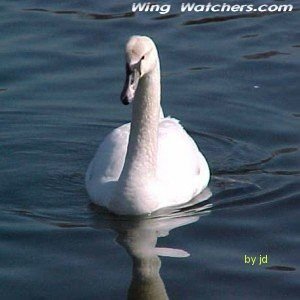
(264, 55)
(257, 166)
(281, 268)
(247, 36)
(94, 16)
(168, 16)
(231, 17)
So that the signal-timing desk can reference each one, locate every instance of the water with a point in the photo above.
(233, 83)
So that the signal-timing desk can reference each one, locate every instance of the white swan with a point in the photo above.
(152, 162)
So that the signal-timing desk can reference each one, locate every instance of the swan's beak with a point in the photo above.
(131, 84)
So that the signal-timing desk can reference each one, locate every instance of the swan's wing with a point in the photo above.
(179, 160)
(109, 159)
(107, 164)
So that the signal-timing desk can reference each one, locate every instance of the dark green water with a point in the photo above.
(233, 83)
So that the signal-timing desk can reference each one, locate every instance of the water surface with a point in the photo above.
(233, 83)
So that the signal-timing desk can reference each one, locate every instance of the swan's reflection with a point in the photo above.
(139, 238)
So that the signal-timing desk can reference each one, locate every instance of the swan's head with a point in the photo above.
(141, 59)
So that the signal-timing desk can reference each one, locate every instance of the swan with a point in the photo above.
(150, 163)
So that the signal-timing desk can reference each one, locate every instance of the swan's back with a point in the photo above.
(180, 165)
(177, 153)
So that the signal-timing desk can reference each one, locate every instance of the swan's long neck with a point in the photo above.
(141, 155)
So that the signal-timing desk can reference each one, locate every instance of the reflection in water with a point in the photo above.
(139, 237)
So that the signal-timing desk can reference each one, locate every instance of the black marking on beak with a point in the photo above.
(133, 74)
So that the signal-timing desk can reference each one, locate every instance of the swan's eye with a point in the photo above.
(143, 57)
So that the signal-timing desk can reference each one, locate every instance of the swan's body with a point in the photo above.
(151, 162)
